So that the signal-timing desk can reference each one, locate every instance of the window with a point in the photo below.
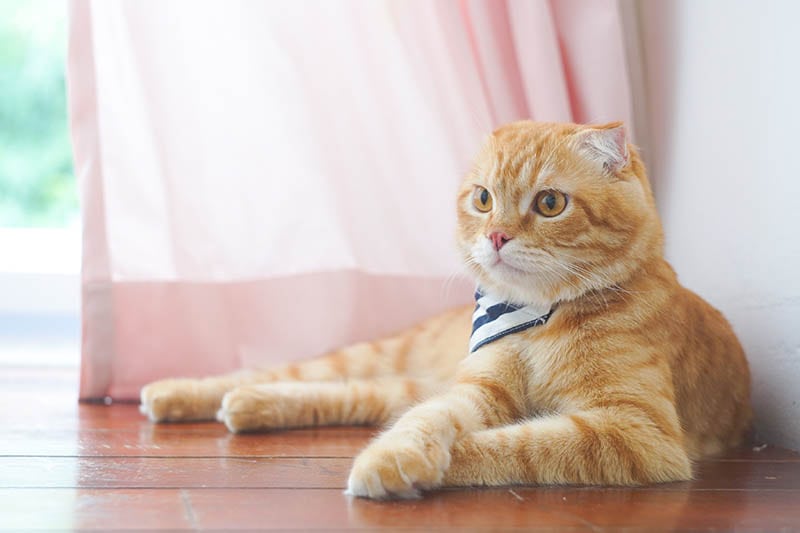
(39, 222)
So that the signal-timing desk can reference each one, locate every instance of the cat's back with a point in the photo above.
(707, 365)
(710, 376)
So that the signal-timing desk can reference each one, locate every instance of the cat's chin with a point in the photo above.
(519, 289)
(503, 269)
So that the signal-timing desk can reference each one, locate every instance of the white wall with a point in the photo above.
(722, 84)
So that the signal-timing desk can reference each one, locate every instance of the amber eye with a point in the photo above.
(550, 203)
(482, 200)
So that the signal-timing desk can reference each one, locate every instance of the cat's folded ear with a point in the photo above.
(606, 145)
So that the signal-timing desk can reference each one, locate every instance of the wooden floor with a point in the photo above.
(64, 466)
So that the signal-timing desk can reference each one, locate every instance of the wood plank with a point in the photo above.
(189, 441)
(172, 472)
(739, 475)
(520, 508)
(320, 473)
(757, 452)
(331, 509)
(78, 509)
(65, 429)
(107, 467)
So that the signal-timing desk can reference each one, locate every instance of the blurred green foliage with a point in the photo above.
(37, 185)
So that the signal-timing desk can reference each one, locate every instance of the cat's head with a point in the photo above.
(550, 212)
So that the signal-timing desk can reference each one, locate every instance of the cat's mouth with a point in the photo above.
(504, 267)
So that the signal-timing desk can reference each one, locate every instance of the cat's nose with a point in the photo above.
(499, 239)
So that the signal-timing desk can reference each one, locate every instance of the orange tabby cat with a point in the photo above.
(588, 363)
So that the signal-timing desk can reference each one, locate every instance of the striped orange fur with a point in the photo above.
(631, 379)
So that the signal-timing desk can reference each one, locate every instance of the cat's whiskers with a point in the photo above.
(447, 286)
(591, 291)
(543, 266)
(577, 263)
(593, 284)
(609, 283)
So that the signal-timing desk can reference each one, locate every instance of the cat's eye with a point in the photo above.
(482, 199)
(550, 203)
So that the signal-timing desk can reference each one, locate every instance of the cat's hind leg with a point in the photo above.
(284, 405)
(187, 399)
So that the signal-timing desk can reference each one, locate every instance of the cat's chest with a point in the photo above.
(550, 368)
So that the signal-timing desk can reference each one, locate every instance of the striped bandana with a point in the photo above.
(495, 318)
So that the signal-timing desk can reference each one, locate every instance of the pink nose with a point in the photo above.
(499, 239)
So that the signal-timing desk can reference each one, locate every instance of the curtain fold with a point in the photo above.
(265, 181)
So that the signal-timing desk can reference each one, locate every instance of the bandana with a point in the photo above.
(494, 319)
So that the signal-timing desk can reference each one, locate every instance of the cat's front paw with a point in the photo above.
(172, 400)
(392, 468)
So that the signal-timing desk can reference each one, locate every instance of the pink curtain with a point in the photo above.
(265, 181)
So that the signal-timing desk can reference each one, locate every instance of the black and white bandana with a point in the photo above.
(494, 318)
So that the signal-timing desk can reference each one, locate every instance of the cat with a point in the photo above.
(588, 363)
